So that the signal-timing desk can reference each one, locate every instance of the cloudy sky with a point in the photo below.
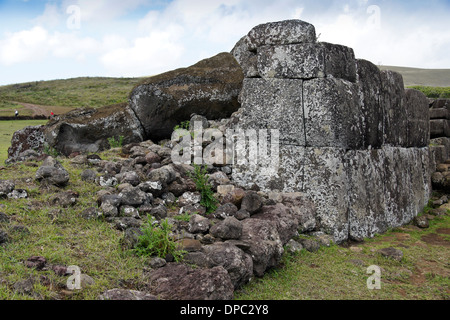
(59, 39)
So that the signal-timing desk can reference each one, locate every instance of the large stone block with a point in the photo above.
(282, 171)
(307, 61)
(325, 182)
(333, 115)
(369, 81)
(296, 61)
(282, 32)
(421, 177)
(340, 61)
(439, 128)
(418, 126)
(274, 104)
(441, 103)
(440, 113)
(247, 59)
(398, 163)
(367, 207)
(393, 101)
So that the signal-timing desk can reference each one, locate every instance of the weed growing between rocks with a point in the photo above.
(157, 241)
(183, 125)
(200, 178)
(116, 143)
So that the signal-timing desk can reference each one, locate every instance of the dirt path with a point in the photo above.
(37, 109)
(40, 109)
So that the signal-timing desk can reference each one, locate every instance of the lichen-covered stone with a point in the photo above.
(29, 138)
(247, 59)
(393, 102)
(88, 130)
(418, 126)
(306, 61)
(369, 84)
(274, 104)
(295, 61)
(333, 115)
(282, 32)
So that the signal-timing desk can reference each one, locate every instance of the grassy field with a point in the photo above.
(63, 237)
(340, 273)
(7, 129)
(63, 95)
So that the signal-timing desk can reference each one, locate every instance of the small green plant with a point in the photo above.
(50, 151)
(183, 125)
(201, 182)
(157, 241)
(185, 216)
(113, 143)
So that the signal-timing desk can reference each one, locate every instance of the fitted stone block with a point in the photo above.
(333, 115)
(418, 126)
(439, 128)
(398, 187)
(247, 59)
(274, 104)
(340, 61)
(367, 203)
(326, 184)
(319, 173)
(439, 114)
(282, 32)
(283, 171)
(295, 61)
(369, 83)
(307, 61)
(395, 117)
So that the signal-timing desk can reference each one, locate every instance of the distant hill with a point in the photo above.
(422, 77)
(61, 96)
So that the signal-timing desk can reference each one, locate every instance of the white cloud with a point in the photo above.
(23, 46)
(37, 44)
(146, 56)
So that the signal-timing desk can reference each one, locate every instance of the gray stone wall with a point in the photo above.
(351, 137)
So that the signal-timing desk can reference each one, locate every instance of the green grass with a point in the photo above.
(333, 274)
(434, 92)
(63, 237)
(7, 128)
(72, 93)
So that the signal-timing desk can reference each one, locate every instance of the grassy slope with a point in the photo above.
(339, 273)
(63, 95)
